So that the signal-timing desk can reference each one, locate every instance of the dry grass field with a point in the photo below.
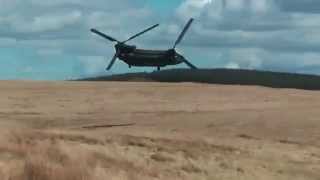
(137, 131)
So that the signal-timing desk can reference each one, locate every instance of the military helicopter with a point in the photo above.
(147, 58)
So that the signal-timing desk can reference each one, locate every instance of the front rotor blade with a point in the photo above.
(104, 35)
(189, 64)
(112, 61)
(183, 33)
(139, 34)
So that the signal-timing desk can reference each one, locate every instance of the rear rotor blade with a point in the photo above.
(112, 61)
(189, 64)
(183, 33)
(139, 34)
(104, 35)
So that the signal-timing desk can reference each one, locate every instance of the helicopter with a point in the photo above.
(133, 56)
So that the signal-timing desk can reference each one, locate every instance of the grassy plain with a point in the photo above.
(134, 131)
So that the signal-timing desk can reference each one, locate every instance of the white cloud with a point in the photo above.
(93, 65)
(217, 9)
(245, 58)
(192, 8)
(235, 5)
(232, 65)
(262, 6)
(247, 32)
(46, 22)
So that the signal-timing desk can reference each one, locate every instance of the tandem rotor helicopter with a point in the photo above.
(147, 58)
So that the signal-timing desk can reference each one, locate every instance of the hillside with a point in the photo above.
(222, 76)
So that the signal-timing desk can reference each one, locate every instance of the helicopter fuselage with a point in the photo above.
(143, 57)
(151, 58)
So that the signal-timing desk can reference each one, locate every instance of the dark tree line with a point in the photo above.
(223, 76)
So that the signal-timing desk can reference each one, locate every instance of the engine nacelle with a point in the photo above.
(125, 48)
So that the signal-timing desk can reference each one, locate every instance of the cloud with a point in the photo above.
(255, 34)
(305, 6)
(95, 65)
(46, 22)
(232, 65)
(252, 24)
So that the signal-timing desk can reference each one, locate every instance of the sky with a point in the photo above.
(51, 40)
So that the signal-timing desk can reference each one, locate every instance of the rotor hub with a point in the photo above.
(172, 52)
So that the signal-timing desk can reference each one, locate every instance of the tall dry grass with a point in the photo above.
(38, 156)
(41, 155)
(44, 155)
